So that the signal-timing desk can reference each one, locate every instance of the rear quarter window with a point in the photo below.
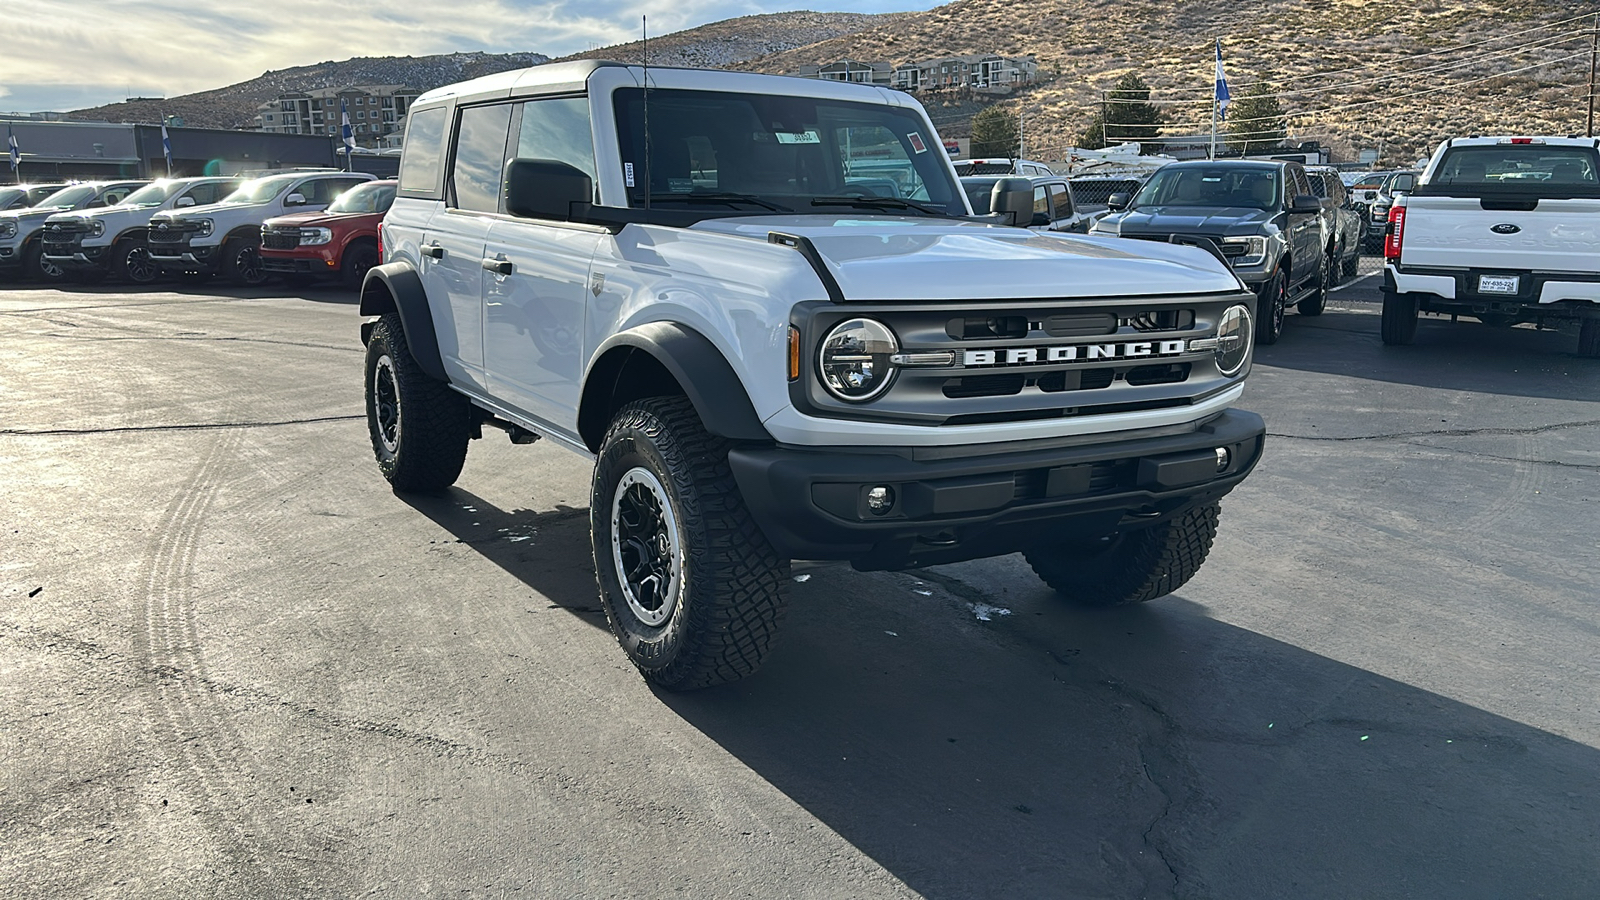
(422, 154)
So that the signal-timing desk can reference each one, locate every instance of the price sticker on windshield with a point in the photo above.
(1490, 284)
(798, 137)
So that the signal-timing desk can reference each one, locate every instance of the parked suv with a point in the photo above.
(1053, 209)
(225, 237)
(22, 196)
(769, 361)
(21, 250)
(1260, 215)
(339, 242)
(92, 244)
(1348, 227)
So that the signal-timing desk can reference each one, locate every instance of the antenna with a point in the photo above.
(644, 28)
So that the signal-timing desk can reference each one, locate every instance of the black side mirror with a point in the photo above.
(1039, 219)
(1403, 184)
(1119, 201)
(1306, 203)
(546, 189)
(1012, 200)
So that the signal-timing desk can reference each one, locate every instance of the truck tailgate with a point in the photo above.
(1457, 232)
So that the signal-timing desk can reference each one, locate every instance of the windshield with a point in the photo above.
(372, 197)
(68, 198)
(261, 190)
(1524, 169)
(760, 153)
(9, 196)
(153, 194)
(1253, 187)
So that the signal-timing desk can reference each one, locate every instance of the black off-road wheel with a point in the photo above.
(358, 258)
(1271, 300)
(1317, 300)
(1129, 566)
(418, 425)
(241, 262)
(36, 268)
(1589, 339)
(692, 589)
(1399, 323)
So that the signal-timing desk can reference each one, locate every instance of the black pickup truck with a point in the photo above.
(1260, 215)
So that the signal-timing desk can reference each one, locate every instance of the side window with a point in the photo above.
(1302, 184)
(422, 152)
(201, 194)
(480, 157)
(1041, 203)
(557, 129)
(1061, 200)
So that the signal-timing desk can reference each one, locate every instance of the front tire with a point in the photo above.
(1270, 304)
(241, 262)
(1589, 339)
(692, 589)
(134, 264)
(418, 425)
(357, 260)
(1399, 325)
(1131, 566)
(38, 268)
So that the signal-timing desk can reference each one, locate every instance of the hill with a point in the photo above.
(731, 43)
(1083, 46)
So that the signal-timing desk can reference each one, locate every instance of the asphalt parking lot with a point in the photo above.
(234, 664)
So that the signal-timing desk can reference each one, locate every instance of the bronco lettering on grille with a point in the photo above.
(1024, 356)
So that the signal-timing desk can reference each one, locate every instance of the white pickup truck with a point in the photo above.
(1503, 229)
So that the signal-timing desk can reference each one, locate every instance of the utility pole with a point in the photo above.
(1105, 121)
(1594, 45)
(1021, 144)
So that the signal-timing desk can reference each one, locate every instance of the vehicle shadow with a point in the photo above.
(1461, 356)
(548, 551)
(1147, 752)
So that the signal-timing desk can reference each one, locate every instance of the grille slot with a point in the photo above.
(1172, 373)
(1161, 320)
(1080, 324)
(984, 386)
(971, 328)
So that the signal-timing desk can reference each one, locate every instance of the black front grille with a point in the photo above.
(172, 232)
(280, 240)
(1006, 384)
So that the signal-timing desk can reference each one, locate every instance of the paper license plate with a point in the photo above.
(1489, 284)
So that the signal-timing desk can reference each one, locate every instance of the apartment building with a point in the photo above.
(376, 111)
(850, 70)
(982, 71)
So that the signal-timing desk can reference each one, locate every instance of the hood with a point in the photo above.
(108, 213)
(893, 258)
(1213, 220)
(317, 217)
(31, 215)
(210, 209)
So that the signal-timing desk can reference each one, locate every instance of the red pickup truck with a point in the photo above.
(338, 242)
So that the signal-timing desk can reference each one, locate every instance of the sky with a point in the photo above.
(70, 54)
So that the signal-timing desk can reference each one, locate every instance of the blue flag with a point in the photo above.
(16, 154)
(345, 134)
(166, 146)
(1222, 85)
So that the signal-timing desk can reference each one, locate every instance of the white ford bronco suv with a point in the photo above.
(92, 244)
(772, 356)
(1503, 229)
(225, 237)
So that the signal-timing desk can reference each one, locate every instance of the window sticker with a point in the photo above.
(916, 142)
(680, 185)
(627, 174)
(798, 137)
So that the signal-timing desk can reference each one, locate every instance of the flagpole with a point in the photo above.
(1213, 152)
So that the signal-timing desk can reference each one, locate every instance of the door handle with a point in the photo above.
(433, 251)
(497, 266)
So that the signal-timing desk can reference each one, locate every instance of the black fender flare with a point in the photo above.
(699, 367)
(396, 287)
(247, 232)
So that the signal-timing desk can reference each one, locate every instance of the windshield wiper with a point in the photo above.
(878, 203)
(727, 197)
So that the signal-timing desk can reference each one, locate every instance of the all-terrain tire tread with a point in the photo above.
(1151, 563)
(737, 593)
(435, 421)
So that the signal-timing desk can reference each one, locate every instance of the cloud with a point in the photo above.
(173, 47)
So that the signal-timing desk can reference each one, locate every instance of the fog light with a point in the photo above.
(880, 499)
(1223, 458)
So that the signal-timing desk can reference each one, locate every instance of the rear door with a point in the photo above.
(1305, 229)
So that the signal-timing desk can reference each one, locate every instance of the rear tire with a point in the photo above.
(241, 262)
(418, 425)
(1270, 302)
(1589, 339)
(1131, 566)
(1313, 304)
(1351, 266)
(1399, 325)
(692, 589)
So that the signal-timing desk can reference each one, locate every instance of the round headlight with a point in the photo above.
(854, 361)
(1234, 333)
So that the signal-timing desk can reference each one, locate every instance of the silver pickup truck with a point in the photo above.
(1503, 229)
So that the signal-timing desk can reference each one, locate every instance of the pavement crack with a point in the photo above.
(1587, 467)
(186, 426)
(1440, 432)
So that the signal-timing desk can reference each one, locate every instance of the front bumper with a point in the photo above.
(79, 259)
(812, 504)
(320, 265)
(185, 258)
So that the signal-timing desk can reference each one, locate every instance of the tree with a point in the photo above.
(1126, 115)
(1256, 121)
(994, 133)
